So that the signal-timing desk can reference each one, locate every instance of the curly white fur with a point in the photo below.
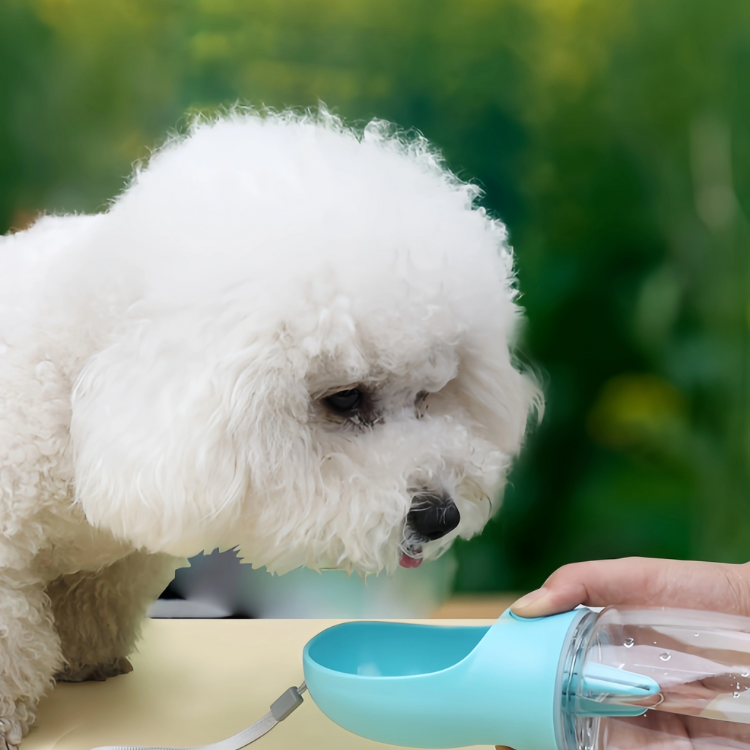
(163, 368)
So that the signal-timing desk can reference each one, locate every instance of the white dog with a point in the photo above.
(284, 335)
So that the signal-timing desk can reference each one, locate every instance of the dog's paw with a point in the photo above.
(11, 734)
(96, 672)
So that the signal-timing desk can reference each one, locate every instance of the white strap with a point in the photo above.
(280, 709)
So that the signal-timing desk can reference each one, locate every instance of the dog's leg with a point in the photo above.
(29, 653)
(98, 614)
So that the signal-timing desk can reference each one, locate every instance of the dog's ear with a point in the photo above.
(501, 396)
(173, 424)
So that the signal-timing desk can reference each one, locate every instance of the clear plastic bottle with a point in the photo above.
(657, 678)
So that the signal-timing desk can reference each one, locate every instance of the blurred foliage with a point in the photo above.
(611, 137)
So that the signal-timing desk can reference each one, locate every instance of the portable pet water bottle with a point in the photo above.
(622, 678)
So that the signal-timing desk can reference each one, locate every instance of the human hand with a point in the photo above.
(715, 587)
(640, 581)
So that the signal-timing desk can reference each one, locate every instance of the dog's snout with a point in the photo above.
(433, 515)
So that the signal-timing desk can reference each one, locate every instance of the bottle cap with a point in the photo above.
(438, 687)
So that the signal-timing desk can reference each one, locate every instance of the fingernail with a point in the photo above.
(530, 598)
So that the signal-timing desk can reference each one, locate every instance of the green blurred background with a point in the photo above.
(612, 138)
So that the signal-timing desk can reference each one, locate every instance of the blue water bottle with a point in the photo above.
(582, 680)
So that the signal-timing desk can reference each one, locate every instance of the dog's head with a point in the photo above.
(309, 353)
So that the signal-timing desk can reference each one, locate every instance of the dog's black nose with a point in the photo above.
(433, 515)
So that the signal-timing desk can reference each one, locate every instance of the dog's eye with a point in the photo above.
(345, 401)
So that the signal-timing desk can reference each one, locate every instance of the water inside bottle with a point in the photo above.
(701, 662)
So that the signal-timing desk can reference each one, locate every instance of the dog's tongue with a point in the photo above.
(410, 562)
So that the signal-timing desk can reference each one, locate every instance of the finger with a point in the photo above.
(644, 582)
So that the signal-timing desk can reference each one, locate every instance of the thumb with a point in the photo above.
(641, 581)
